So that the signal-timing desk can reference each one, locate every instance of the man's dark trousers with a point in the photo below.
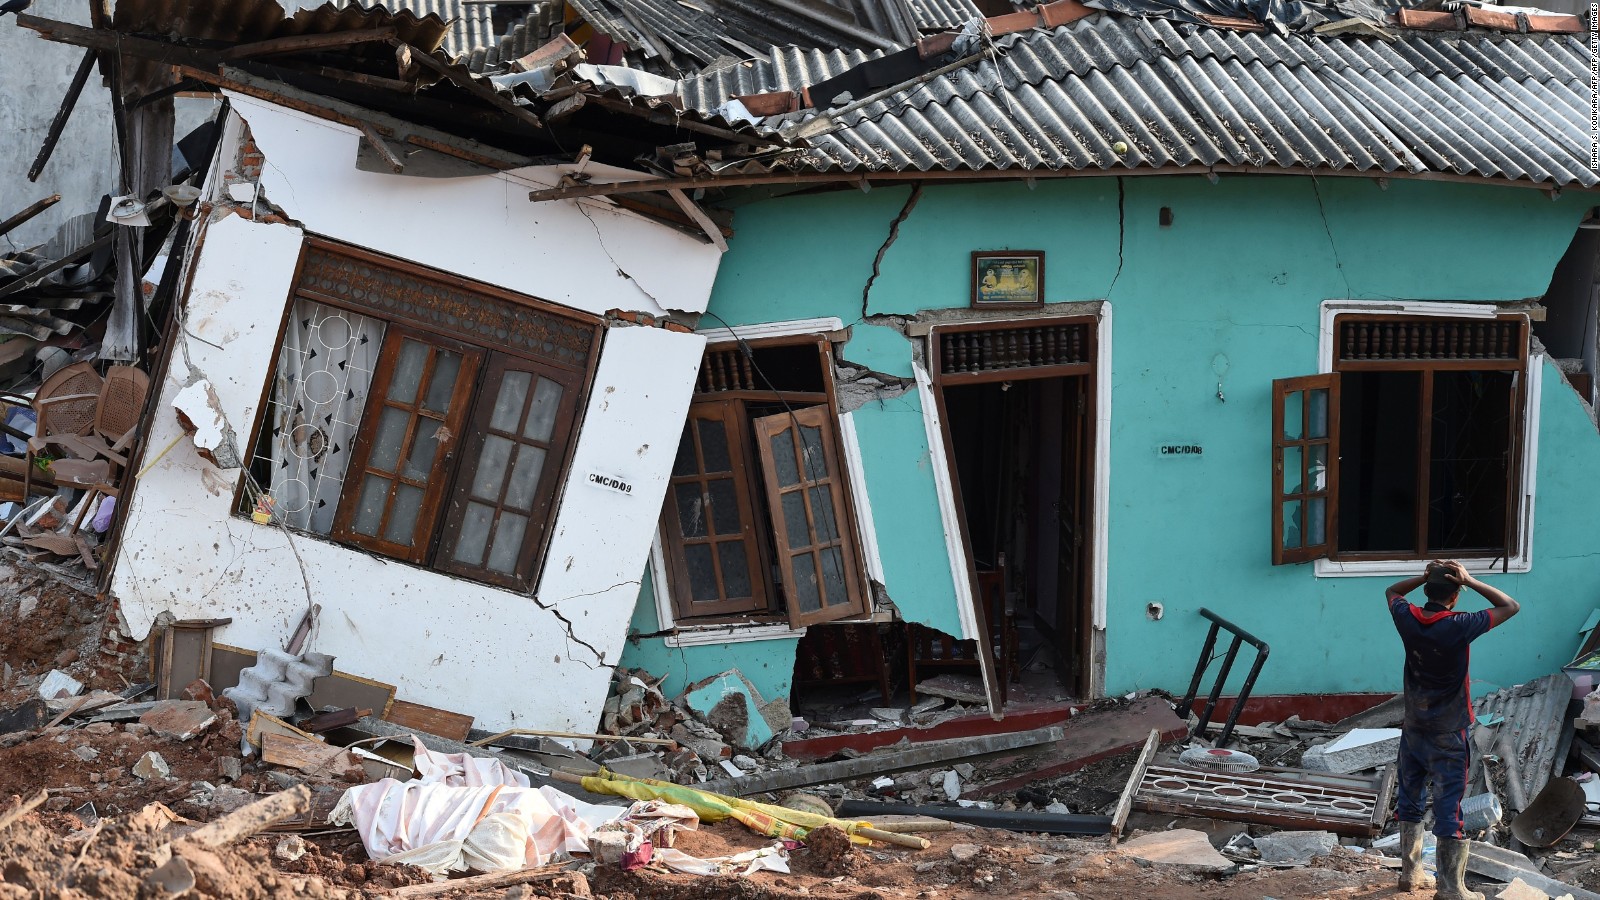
(1442, 759)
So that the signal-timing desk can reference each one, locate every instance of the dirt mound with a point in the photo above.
(116, 860)
(828, 852)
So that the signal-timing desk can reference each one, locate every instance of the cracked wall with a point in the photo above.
(1228, 296)
(506, 658)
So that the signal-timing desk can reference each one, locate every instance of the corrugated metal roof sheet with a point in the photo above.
(243, 21)
(1475, 104)
(471, 24)
(538, 28)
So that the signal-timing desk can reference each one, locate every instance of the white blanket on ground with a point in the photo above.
(467, 813)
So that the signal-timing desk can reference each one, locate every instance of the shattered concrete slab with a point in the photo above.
(1375, 749)
(1295, 846)
(729, 703)
(179, 720)
(1181, 847)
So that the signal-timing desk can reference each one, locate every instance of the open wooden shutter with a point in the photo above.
(403, 457)
(806, 500)
(713, 550)
(1305, 456)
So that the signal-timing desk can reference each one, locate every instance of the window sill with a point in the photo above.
(730, 633)
(1372, 568)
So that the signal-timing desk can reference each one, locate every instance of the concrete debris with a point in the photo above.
(964, 852)
(1356, 757)
(960, 688)
(952, 786)
(59, 684)
(731, 705)
(1183, 847)
(151, 765)
(1295, 846)
(276, 681)
(290, 848)
(179, 720)
(86, 753)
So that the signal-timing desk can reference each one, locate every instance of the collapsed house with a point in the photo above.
(451, 351)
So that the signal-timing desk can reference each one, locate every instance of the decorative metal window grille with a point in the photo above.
(1013, 348)
(1454, 339)
(439, 305)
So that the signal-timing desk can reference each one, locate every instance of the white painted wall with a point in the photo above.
(592, 257)
(506, 658)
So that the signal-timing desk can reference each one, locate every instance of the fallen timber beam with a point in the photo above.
(68, 102)
(33, 209)
(917, 757)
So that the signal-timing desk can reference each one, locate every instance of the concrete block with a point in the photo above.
(1521, 890)
(1295, 846)
(151, 765)
(1353, 758)
(179, 720)
(1183, 848)
(731, 705)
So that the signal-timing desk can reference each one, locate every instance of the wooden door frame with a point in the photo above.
(1088, 369)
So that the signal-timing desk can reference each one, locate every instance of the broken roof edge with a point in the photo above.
(865, 177)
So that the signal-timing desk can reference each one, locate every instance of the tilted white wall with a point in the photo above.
(591, 256)
(508, 659)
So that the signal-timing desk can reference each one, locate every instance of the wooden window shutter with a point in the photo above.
(413, 423)
(811, 526)
(712, 548)
(1305, 457)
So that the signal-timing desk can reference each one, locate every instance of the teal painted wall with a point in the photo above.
(1230, 292)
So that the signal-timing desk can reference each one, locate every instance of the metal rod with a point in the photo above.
(1244, 692)
(1216, 687)
(1010, 820)
(1199, 672)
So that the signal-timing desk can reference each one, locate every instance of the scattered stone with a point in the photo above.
(964, 852)
(746, 763)
(99, 728)
(227, 798)
(952, 786)
(229, 767)
(283, 780)
(1521, 890)
(66, 658)
(731, 705)
(891, 716)
(965, 770)
(179, 720)
(924, 707)
(113, 774)
(151, 765)
(59, 684)
(135, 729)
(290, 848)
(1183, 847)
(1058, 808)
(1295, 846)
(86, 753)
(1043, 859)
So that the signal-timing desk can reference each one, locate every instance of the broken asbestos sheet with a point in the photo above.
(467, 814)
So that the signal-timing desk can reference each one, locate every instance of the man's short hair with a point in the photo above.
(1440, 591)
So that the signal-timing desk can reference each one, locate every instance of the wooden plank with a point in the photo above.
(310, 757)
(33, 209)
(125, 44)
(443, 723)
(698, 215)
(473, 86)
(342, 690)
(1119, 816)
(263, 724)
(302, 42)
(64, 112)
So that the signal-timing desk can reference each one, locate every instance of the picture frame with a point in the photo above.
(1007, 279)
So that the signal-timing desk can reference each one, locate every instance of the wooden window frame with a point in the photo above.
(494, 367)
(731, 414)
(766, 615)
(1281, 389)
(438, 485)
(818, 417)
(1516, 366)
(432, 321)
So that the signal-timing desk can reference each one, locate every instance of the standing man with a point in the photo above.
(1438, 700)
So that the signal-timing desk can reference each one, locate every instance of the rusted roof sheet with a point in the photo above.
(1473, 104)
(246, 21)
(471, 25)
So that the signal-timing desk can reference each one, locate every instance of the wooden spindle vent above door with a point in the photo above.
(1002, 349)
(1402, 340)
(726, 370)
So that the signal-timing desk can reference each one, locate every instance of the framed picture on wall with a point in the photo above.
(1007, 279)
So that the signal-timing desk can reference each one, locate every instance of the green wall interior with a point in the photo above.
(1229, 293)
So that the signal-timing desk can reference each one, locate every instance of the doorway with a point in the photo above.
(1017, 407)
